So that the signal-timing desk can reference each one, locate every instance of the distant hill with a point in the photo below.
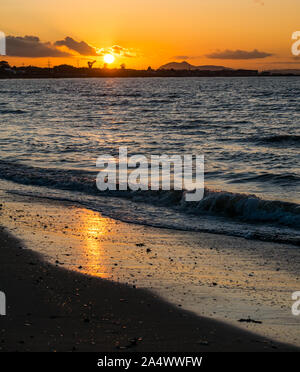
(187, 66)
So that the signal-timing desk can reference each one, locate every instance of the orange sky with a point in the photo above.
(155, 32)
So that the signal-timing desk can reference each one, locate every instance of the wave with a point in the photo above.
(250, 208)
(275, 178)
(15, 112)
(280, 139)
(233, 206)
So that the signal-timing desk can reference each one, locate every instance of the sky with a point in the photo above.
(252, 34)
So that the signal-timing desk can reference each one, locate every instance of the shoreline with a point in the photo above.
(53, 309)
(144, 77)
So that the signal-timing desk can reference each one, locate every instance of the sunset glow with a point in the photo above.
(232, 33)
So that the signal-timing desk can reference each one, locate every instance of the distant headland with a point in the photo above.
(172, 69)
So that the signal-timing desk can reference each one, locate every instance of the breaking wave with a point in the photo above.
(233, 206)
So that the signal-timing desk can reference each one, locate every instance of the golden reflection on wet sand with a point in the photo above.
(93, 229)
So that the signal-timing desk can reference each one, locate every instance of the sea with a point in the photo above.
(248, 128)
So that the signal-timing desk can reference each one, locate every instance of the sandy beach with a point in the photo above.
(93, 283)
(52, 309)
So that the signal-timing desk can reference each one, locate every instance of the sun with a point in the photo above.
(109, 58)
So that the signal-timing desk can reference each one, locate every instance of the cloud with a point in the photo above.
(238, 54)
(80, 47)
(119, 51)
(31, 46)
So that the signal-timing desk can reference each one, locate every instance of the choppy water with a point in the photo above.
(52, 131)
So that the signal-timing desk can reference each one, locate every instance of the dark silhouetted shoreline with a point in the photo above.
(67, 71)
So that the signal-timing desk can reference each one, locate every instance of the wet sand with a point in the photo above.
(214, 276)
(52, 309)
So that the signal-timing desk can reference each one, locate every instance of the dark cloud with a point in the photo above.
(238, 54)
(31, 46)
(80, 47)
